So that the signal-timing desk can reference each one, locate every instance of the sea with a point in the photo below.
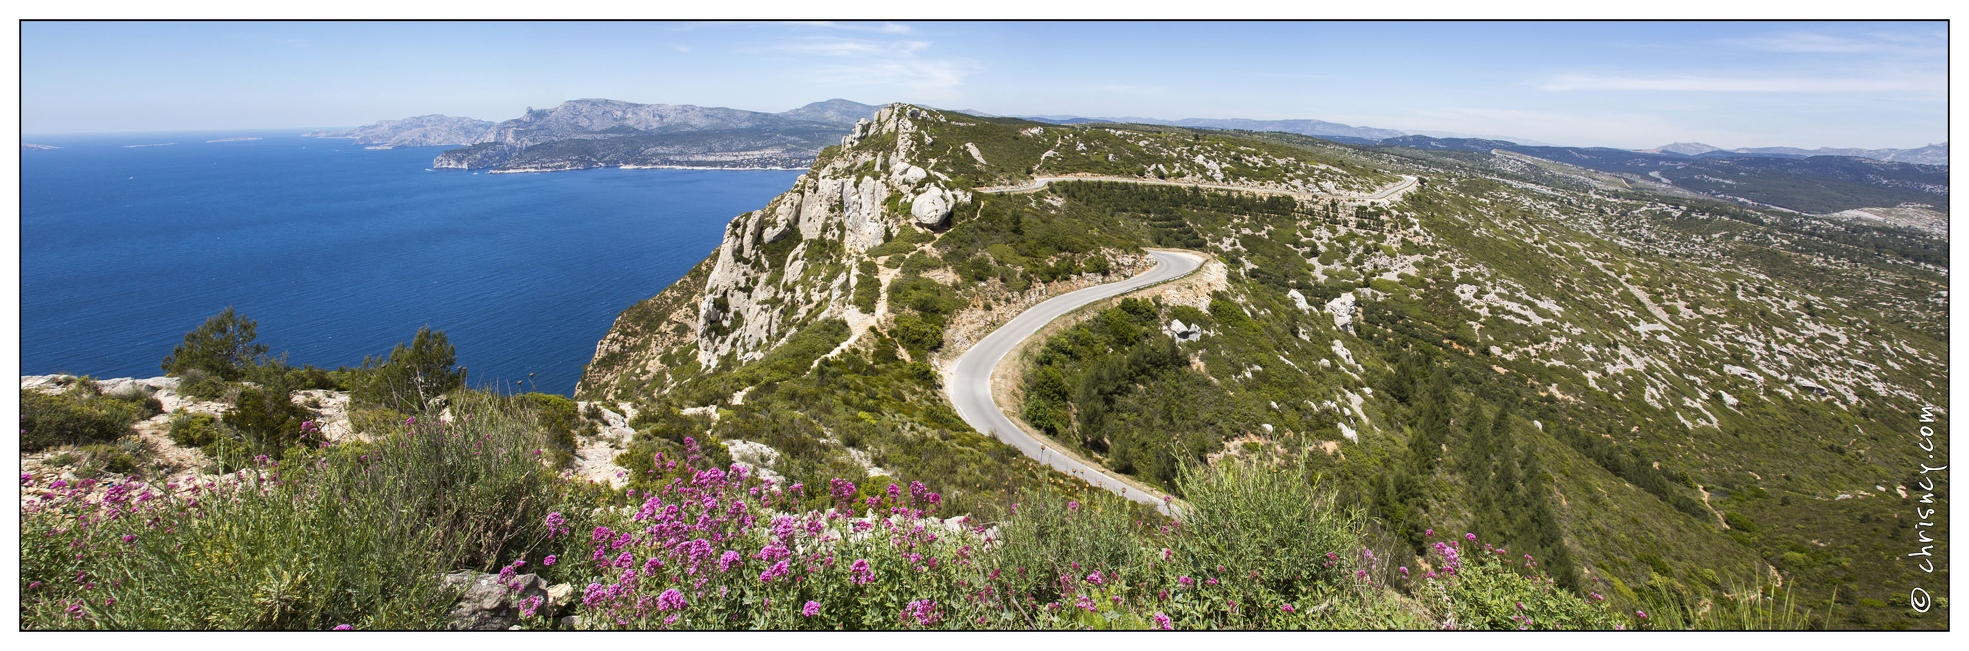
(340, 252)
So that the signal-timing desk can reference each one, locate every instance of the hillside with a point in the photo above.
(1647, 387)
(585, 133)
(1936, 154)
(420, 131)
(1818, 184)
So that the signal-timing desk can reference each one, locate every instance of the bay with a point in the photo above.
(340, 252)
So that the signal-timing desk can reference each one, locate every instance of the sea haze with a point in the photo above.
(341, 252)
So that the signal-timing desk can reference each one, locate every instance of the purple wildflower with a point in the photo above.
(1162, 622)
(776, 571)
(812, 608)
(671, 600)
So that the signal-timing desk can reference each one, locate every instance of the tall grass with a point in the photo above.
(355, 534)
(360, 533)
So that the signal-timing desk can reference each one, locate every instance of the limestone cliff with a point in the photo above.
(790, 263)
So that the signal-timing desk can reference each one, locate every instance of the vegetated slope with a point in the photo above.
(1661, 397)
(586, 133)
(1816, 184)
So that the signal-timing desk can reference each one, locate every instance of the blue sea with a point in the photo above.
(340, 252)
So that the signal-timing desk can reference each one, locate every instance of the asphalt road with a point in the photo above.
(1381, 194)
(969, 385)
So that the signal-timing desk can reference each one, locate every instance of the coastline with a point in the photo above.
(538, 170)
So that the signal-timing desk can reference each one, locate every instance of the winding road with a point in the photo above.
(1386, 193)
(969, 384)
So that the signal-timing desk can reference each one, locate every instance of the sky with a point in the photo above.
(1612, 84)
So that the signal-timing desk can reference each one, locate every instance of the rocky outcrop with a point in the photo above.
(491, 602)
(420, 131)
(810, 236)
(1343, 309)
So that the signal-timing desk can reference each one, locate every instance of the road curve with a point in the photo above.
(969, 384)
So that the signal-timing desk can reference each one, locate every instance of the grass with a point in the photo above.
(352, 534)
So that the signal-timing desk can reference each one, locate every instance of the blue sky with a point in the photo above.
(1619, 84)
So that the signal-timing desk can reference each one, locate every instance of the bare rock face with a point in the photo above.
(492, 605)
(783, 267)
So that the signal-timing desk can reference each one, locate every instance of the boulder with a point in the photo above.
(1343, 311)
(488, 604)
(1184, 332)
(909, 175)
(931, 207)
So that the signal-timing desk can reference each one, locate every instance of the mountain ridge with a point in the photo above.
(585, 133)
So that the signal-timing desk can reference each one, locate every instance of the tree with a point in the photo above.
(412, 377)
(223, 346)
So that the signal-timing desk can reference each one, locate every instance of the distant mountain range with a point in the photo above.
(1817, 184)
(587, 133)
(1936, 154)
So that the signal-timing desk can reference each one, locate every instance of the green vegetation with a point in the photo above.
(412, 377)
(222, 346)
(81, 415)
(355, 534)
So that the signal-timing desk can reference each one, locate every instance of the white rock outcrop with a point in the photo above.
(1344, 310)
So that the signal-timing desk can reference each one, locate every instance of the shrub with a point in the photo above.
(268, 422)
(112, 458)
(357, 534)
(48, 420)
(558, 422)
(222, 346)
(412, 377)
(200, 384)
(1275, 521)
(194, 430)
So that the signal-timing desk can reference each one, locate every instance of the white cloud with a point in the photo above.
(884, 28)
(1876, 43)
(847, 47)
(1696, 84)
(897, 63)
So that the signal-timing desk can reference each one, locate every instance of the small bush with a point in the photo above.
(268, 422)
(48, 420)
(194, 430)
(112, 458)
(413, 376)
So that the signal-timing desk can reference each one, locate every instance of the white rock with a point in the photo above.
(1343, 309)
(1299, 300)
(910, 175)
(931, 207)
